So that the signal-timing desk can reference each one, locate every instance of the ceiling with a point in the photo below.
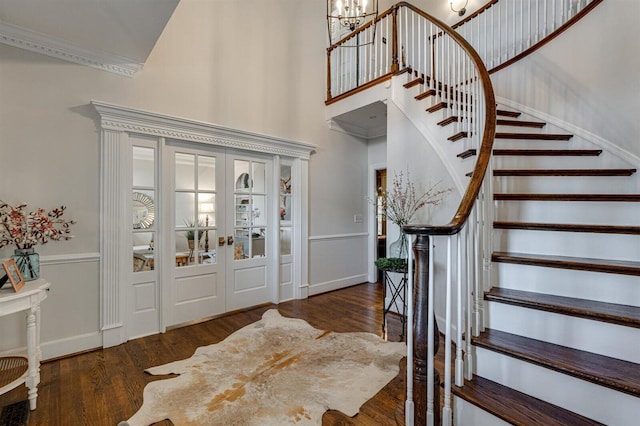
(369, 121)
(127, 29)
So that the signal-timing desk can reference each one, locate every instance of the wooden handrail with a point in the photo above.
(484, 154)
(562, 28)
(474, 14)
(565, 26)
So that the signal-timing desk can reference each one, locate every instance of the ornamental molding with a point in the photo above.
(40, 43)
(124, 119)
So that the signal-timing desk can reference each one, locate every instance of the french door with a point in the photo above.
(219, 233)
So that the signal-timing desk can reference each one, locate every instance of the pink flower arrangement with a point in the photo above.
(400, 204)
(26, 229)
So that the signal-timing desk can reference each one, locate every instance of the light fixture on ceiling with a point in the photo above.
(460, 12)
(351, 13)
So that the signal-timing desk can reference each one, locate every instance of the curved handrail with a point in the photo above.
(540, 43)
(484, 153)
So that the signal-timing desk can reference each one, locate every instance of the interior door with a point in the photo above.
(197, 284)
(248, 263)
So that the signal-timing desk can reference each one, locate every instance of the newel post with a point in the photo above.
(420, 335)
(394, 42)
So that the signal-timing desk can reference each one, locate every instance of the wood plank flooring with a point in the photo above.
(105, 386)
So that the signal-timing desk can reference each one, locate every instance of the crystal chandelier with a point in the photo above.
(351, 13)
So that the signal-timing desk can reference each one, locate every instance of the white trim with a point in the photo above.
(124, 119)
(65, 259)
(575, 130)
(372, 242)
(62, 347)
(324, 287)
(40, 43)
(338, 236)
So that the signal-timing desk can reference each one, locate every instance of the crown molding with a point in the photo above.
(124, 119)
(44, 44)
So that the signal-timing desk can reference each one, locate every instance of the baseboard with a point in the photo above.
(336, 284)
(63, 347)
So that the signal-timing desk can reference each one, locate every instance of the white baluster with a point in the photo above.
(460, 309)
(468, 354)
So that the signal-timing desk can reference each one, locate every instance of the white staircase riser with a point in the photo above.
(598, 337)
(574, 244)
(577, 212)
(565, 184)
(603, 287)
(587, 399)
(467, 414)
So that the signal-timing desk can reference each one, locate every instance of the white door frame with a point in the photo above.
(372, 271)
(116, 123)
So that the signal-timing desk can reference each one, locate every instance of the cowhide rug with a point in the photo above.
(276, 371)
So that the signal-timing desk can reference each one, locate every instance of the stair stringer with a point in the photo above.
(434, 135)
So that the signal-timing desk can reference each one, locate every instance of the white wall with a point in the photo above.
(230, 63)
(589, 76)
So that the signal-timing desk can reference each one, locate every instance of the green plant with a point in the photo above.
(391, 263)
(190, 234)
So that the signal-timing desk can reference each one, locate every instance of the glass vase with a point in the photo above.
(28, 262)
(398, 248)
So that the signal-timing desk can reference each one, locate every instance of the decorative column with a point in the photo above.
(110, 247)
(420, 336)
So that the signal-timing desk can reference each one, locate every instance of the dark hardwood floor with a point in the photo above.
(105, 386)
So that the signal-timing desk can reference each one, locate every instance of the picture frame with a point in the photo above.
(12, 271)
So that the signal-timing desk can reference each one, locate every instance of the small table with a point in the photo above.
(27, 299)
(398, 292)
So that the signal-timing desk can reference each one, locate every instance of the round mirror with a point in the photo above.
(144, 211)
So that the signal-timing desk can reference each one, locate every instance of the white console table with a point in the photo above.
(27, 299)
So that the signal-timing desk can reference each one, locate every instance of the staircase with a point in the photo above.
(562, 341)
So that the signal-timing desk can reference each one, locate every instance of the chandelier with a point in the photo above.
(351, 13)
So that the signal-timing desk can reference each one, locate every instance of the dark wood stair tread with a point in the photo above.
(534, 136)
(538, 152)
(425, 94)
(449, 120)
(623, 376)
(625, 198)
(565, 262)
(564, 172)
(414, 82)
(506, 113)
(520, 123)
(549, 152)
(458, 136)
(468, 153)
(438, 107)
(625, 315)
(500, 401)
(568, 227)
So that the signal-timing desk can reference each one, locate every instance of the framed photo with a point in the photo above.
(12, 271)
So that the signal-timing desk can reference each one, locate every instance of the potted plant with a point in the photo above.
(191, 233)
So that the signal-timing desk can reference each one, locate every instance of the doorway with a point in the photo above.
(381, 221)
(219, 232)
